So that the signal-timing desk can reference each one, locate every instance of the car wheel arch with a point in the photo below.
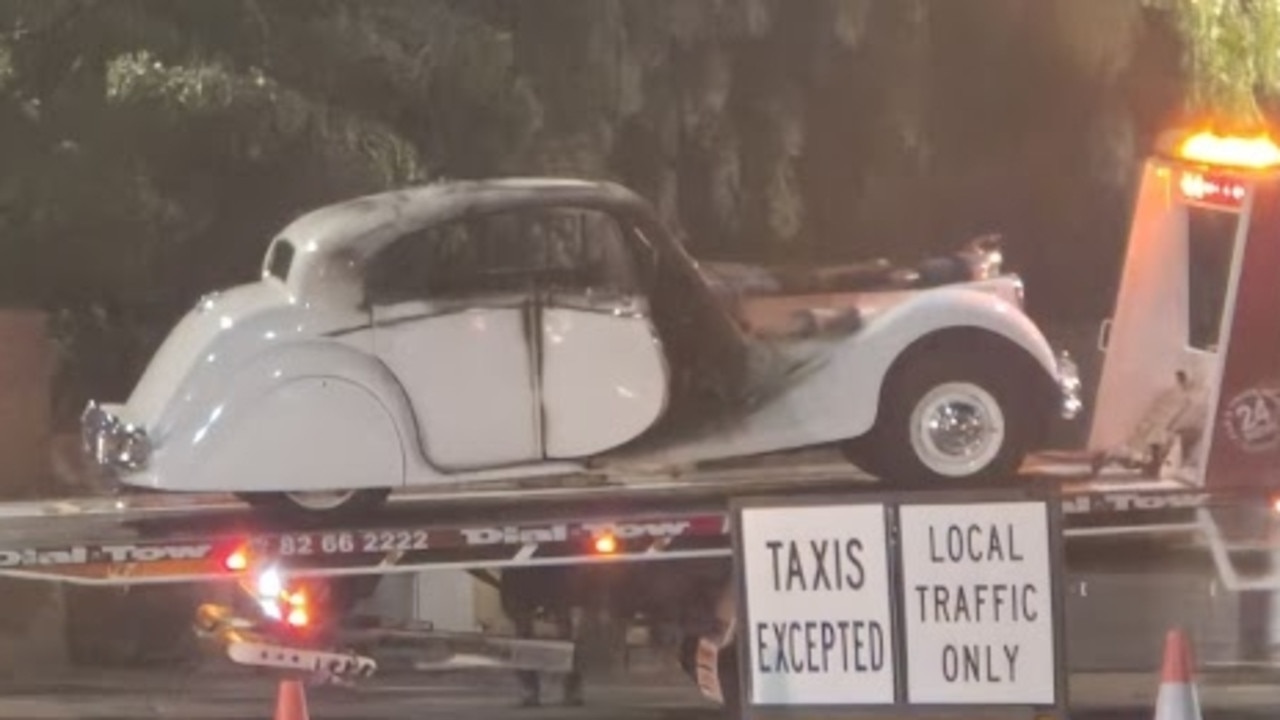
(251, 416)
(219, 413)
(970, 340)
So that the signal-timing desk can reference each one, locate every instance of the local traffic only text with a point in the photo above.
(977, 602)
(975, 544)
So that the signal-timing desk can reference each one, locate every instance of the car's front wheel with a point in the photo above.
(949, 418)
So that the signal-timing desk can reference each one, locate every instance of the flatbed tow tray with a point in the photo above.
(155, 539)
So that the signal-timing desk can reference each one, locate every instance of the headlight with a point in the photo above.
(132, 448)
(270, 584)
(984, 257)
(278, 602)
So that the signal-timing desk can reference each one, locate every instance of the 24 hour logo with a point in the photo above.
(1252, 420)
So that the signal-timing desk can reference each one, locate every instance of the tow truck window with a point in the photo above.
(1210, 245)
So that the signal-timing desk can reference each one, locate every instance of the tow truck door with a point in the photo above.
(1176, 294)
(1244, 442)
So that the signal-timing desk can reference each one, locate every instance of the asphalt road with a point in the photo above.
(486, 696)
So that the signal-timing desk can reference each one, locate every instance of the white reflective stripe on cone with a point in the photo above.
(1177, 701)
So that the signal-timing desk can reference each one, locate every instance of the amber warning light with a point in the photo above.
(1256, 152)
(298, 616)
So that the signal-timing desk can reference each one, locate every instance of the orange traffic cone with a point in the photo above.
(291, 701)
(1177, 699)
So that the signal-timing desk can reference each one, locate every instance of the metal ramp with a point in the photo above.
(1244, 544)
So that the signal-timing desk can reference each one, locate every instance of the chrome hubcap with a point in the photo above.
(320, 500)
(957, 429)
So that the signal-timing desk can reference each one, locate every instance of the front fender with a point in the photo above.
(862, 363)
(952, 307)
(313, 415)
(834, 395)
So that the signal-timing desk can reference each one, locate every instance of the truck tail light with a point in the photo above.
(299, 615)
(1212, 189)
(606, 544)
(236, 561)
(299, 618)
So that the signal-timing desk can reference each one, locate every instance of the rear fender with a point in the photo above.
(309, 416)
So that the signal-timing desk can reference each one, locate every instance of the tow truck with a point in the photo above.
(1183, 444)
(673, 534)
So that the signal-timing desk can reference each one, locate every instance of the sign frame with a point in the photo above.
(901, 707)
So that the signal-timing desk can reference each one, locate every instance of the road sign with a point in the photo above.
(903, 604)
(977, 585)
(820, 623)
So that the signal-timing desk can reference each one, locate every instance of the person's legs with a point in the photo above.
(530, 686)
(570, 627)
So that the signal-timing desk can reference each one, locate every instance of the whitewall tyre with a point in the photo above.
(949, 419)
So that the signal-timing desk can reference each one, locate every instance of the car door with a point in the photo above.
(452, 321)
(604, 379)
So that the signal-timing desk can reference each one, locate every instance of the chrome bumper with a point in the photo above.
(1069, 387)
(111, 442)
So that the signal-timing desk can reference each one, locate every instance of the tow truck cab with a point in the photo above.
(1191, 355)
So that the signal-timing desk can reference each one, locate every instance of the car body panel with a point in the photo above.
(830, 393)
(339, 434)
(218, 441)
(475, 404)
(604, 379)
(187, 353)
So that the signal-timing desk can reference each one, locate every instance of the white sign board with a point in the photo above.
(818, 605)
(979, 605)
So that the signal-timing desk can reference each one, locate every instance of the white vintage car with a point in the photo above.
(484, 331)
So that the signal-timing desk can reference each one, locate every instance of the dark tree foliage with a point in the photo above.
(150, 147)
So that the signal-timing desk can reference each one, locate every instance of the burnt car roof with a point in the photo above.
(362, 225)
